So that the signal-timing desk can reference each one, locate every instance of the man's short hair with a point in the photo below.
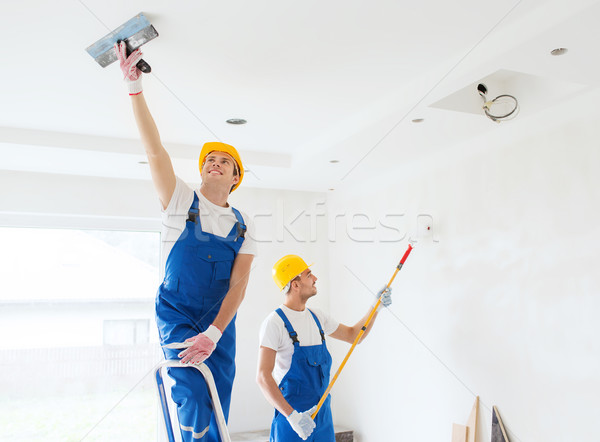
(288, 286)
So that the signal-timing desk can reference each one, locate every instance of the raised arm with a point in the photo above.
(159, 161)
(349, 333)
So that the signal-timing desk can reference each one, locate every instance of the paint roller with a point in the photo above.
(134, 32)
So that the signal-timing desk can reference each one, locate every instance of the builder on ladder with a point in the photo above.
(293, 360)
(208, 256)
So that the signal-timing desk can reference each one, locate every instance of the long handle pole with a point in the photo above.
(360, 333)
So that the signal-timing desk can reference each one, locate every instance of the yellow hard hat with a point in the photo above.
(216, 146)
(287, 268)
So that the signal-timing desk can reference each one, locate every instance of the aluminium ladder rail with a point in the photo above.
(212, 388)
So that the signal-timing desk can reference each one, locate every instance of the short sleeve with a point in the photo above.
(181, 200)
(270, 333)
(249, 246)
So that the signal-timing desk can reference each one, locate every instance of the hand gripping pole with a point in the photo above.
(212, 388)
(361, 332)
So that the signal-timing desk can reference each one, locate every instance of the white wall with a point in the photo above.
(503, 306)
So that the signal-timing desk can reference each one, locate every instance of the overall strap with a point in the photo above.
(318, 325)
(288, 327)
(194, 212)
(240, 226)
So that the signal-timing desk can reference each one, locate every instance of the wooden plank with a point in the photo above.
(498, 431)
(472, 422)
(459, 433)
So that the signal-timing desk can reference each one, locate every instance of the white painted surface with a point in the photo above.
(504, 306)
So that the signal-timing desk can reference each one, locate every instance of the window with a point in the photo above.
(77, 334)
(126, 331)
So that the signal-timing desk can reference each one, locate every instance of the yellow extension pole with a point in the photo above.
(360, 333)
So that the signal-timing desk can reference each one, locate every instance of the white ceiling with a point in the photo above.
(316, 80)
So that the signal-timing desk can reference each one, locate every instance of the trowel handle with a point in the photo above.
(144, 67)
(141, 65)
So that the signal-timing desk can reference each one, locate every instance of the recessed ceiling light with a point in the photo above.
(559, 51)
(334, 161)
(418, 120)
(236, 121)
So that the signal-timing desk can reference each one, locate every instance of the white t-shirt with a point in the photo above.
(275, 336)
(214, 219)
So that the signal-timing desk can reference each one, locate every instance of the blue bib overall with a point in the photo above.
(197, 276)
(303, 385)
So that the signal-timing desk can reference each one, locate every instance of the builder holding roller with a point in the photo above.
(208, 257)
(293, 362)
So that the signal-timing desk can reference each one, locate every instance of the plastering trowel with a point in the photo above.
(134, 33)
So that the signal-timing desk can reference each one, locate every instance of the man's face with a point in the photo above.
(307, 284)
(220, 167)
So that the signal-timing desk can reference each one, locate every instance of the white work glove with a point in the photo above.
(132, 75)
(386, 297)
(202, 346)
(302, 423)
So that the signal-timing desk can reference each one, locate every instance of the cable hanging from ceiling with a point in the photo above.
(502, 108)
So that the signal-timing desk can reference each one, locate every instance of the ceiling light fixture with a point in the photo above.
(418, 120)
(142, 162)
(334, 161)
(236, 121)
(559, 51)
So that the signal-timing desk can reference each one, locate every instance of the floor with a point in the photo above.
(341, 435)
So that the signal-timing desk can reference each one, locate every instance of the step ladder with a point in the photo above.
(212, 388)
